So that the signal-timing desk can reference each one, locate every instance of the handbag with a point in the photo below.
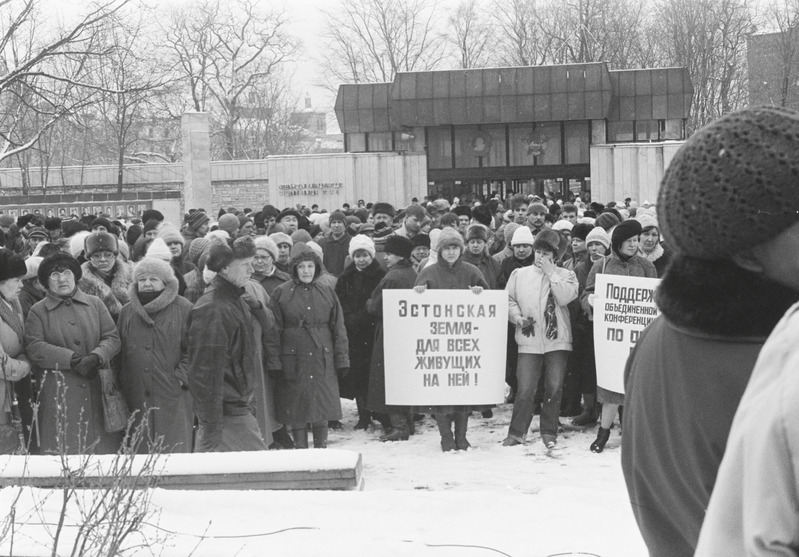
(12, 439)
(115, 410)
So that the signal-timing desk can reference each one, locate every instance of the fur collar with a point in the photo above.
(114, 296)
(720, 298)
(653, 255)
(371, 270)
(147, 311)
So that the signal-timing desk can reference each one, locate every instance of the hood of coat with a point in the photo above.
(721, 298)
(167, 297)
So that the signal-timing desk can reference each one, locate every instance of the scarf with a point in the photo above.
(11, 317)
(105, 277)
(147, 297)
(653, 255)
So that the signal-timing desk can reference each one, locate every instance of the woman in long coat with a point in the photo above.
(311, 352)
(152, 363)
(69, 337)
(354, 288)
(451, 272)
(105, 274)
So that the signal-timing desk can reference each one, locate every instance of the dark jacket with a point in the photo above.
(28, 297)
(354, 288)
(487, 265)
(153, 366)
(309, 349)
(510, 264)
(335, 252)
(683, 383)
(401, 276)
(271, 282)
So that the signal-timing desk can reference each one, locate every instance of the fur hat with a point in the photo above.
(302, 252)
(733, 184)
(32, 266)
(100, 241)
(607, 220)
(551, 240)
(196, 219)
(11, 265)
(483, 215)
(229, 223)
(76, 242)
(362, 242)
(170, 234)
(154, 267)
(449, 237)
(58, 262)
(159, 250)
(537, 207)
(287, 212)
(581, 230)
(220, 255)
(152, 214)
(562, 224)
(266, 243)
(102, 221)
(421, 240)
(522, 236)
(477, 232)
(281, 238)
(462, 211)
(383, 209)
(624, 231)
(71, 227)
(399, 245)
(598, 234)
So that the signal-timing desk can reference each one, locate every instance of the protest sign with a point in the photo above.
(445, 346)
(623, 307)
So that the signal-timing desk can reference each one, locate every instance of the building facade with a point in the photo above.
(514, 129)
(773, 68)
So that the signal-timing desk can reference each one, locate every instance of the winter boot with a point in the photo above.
(602, 437)
(461, 424)
(399, 428)
(590, 413)
(319, 436)
(411, 424)
(283, 439)
(300, 436)
(364, 416)
(487, 413)
(335, 424)
(444, 422)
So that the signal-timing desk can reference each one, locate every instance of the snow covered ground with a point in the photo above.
(491, 500)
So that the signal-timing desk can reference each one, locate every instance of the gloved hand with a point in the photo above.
(528, 328)
(88, 366)
(343, 372)
(208, 438)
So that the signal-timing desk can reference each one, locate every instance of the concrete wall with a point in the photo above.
(631, 170)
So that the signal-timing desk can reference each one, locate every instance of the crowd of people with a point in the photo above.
(243, 330)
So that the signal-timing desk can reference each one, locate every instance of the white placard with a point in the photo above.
(445, 347)
(623, 307)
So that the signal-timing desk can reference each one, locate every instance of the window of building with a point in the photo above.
(619, 132)
(380, 141)
(522, 153)
(646, 130)
(549, 136)
(403, 141)
(356, 142)
(498, 151)
(439, 147)
(672, 129)
(468, 143)
(577, 142)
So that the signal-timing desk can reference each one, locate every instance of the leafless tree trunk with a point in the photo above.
(470, 34)
(521, 36)
(783, 15)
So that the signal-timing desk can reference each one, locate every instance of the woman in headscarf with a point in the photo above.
(649, 245)
(69, 337)
(13, 362)
(623, 260)
(105, 274)
(153, 374)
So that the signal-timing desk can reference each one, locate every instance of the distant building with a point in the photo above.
(773, 66)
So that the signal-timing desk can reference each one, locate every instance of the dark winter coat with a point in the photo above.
(56, 329)
(223, 357)
(195, 285)
(510, 264)
(271, 282)
(153, 365)
(310, 348)
(683, 383)
(28, 296)
(400, 277)
(335, 252)
(487, 265)
(354, 288)
(115, 295)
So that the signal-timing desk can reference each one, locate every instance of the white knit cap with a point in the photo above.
(523, 235)
(361, 241)
(598, 234)
(159, 250)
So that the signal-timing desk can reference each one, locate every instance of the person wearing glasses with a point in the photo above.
(69, 337)
(105, 274)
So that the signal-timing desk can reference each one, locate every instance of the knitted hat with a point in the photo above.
(508, 231)
(38, 232)
(581, 230)
(562, 224)
(399, 245)
(151, 266)
(220, 255)
(196, 219)
(265, 243)
(421, 240)
(159, 250)
(318, 249)
(624, 231)
(58, 262)
(551, 240)
(6, 220)
(196, 248)
(647, 222)
(522, 236)
(477, 232)
(11, 265)
(100, 241)
(151, 224)
(383, 208)
(301, 235)
(362, 242)
(243, 220)
(598, 234)
(366, 227)
(449, 237)
(537, 207)
(301, 252)
(229, 223)
(281, 238)
(338, 216)
(170, 234)
(607, 221)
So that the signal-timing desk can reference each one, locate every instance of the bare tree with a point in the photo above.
(783, 16)
(225, 51)
(470, 34)
(368, 41)
(521, 40)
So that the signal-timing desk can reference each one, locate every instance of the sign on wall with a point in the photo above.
(445, 347)
(623, 307)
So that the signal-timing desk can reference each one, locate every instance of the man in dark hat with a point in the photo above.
(464, 214)
(289, 219)
(336, 244)
(197, 226)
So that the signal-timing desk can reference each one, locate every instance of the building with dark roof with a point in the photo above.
(516, 129)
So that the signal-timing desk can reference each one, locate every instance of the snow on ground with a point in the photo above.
(416, 501)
